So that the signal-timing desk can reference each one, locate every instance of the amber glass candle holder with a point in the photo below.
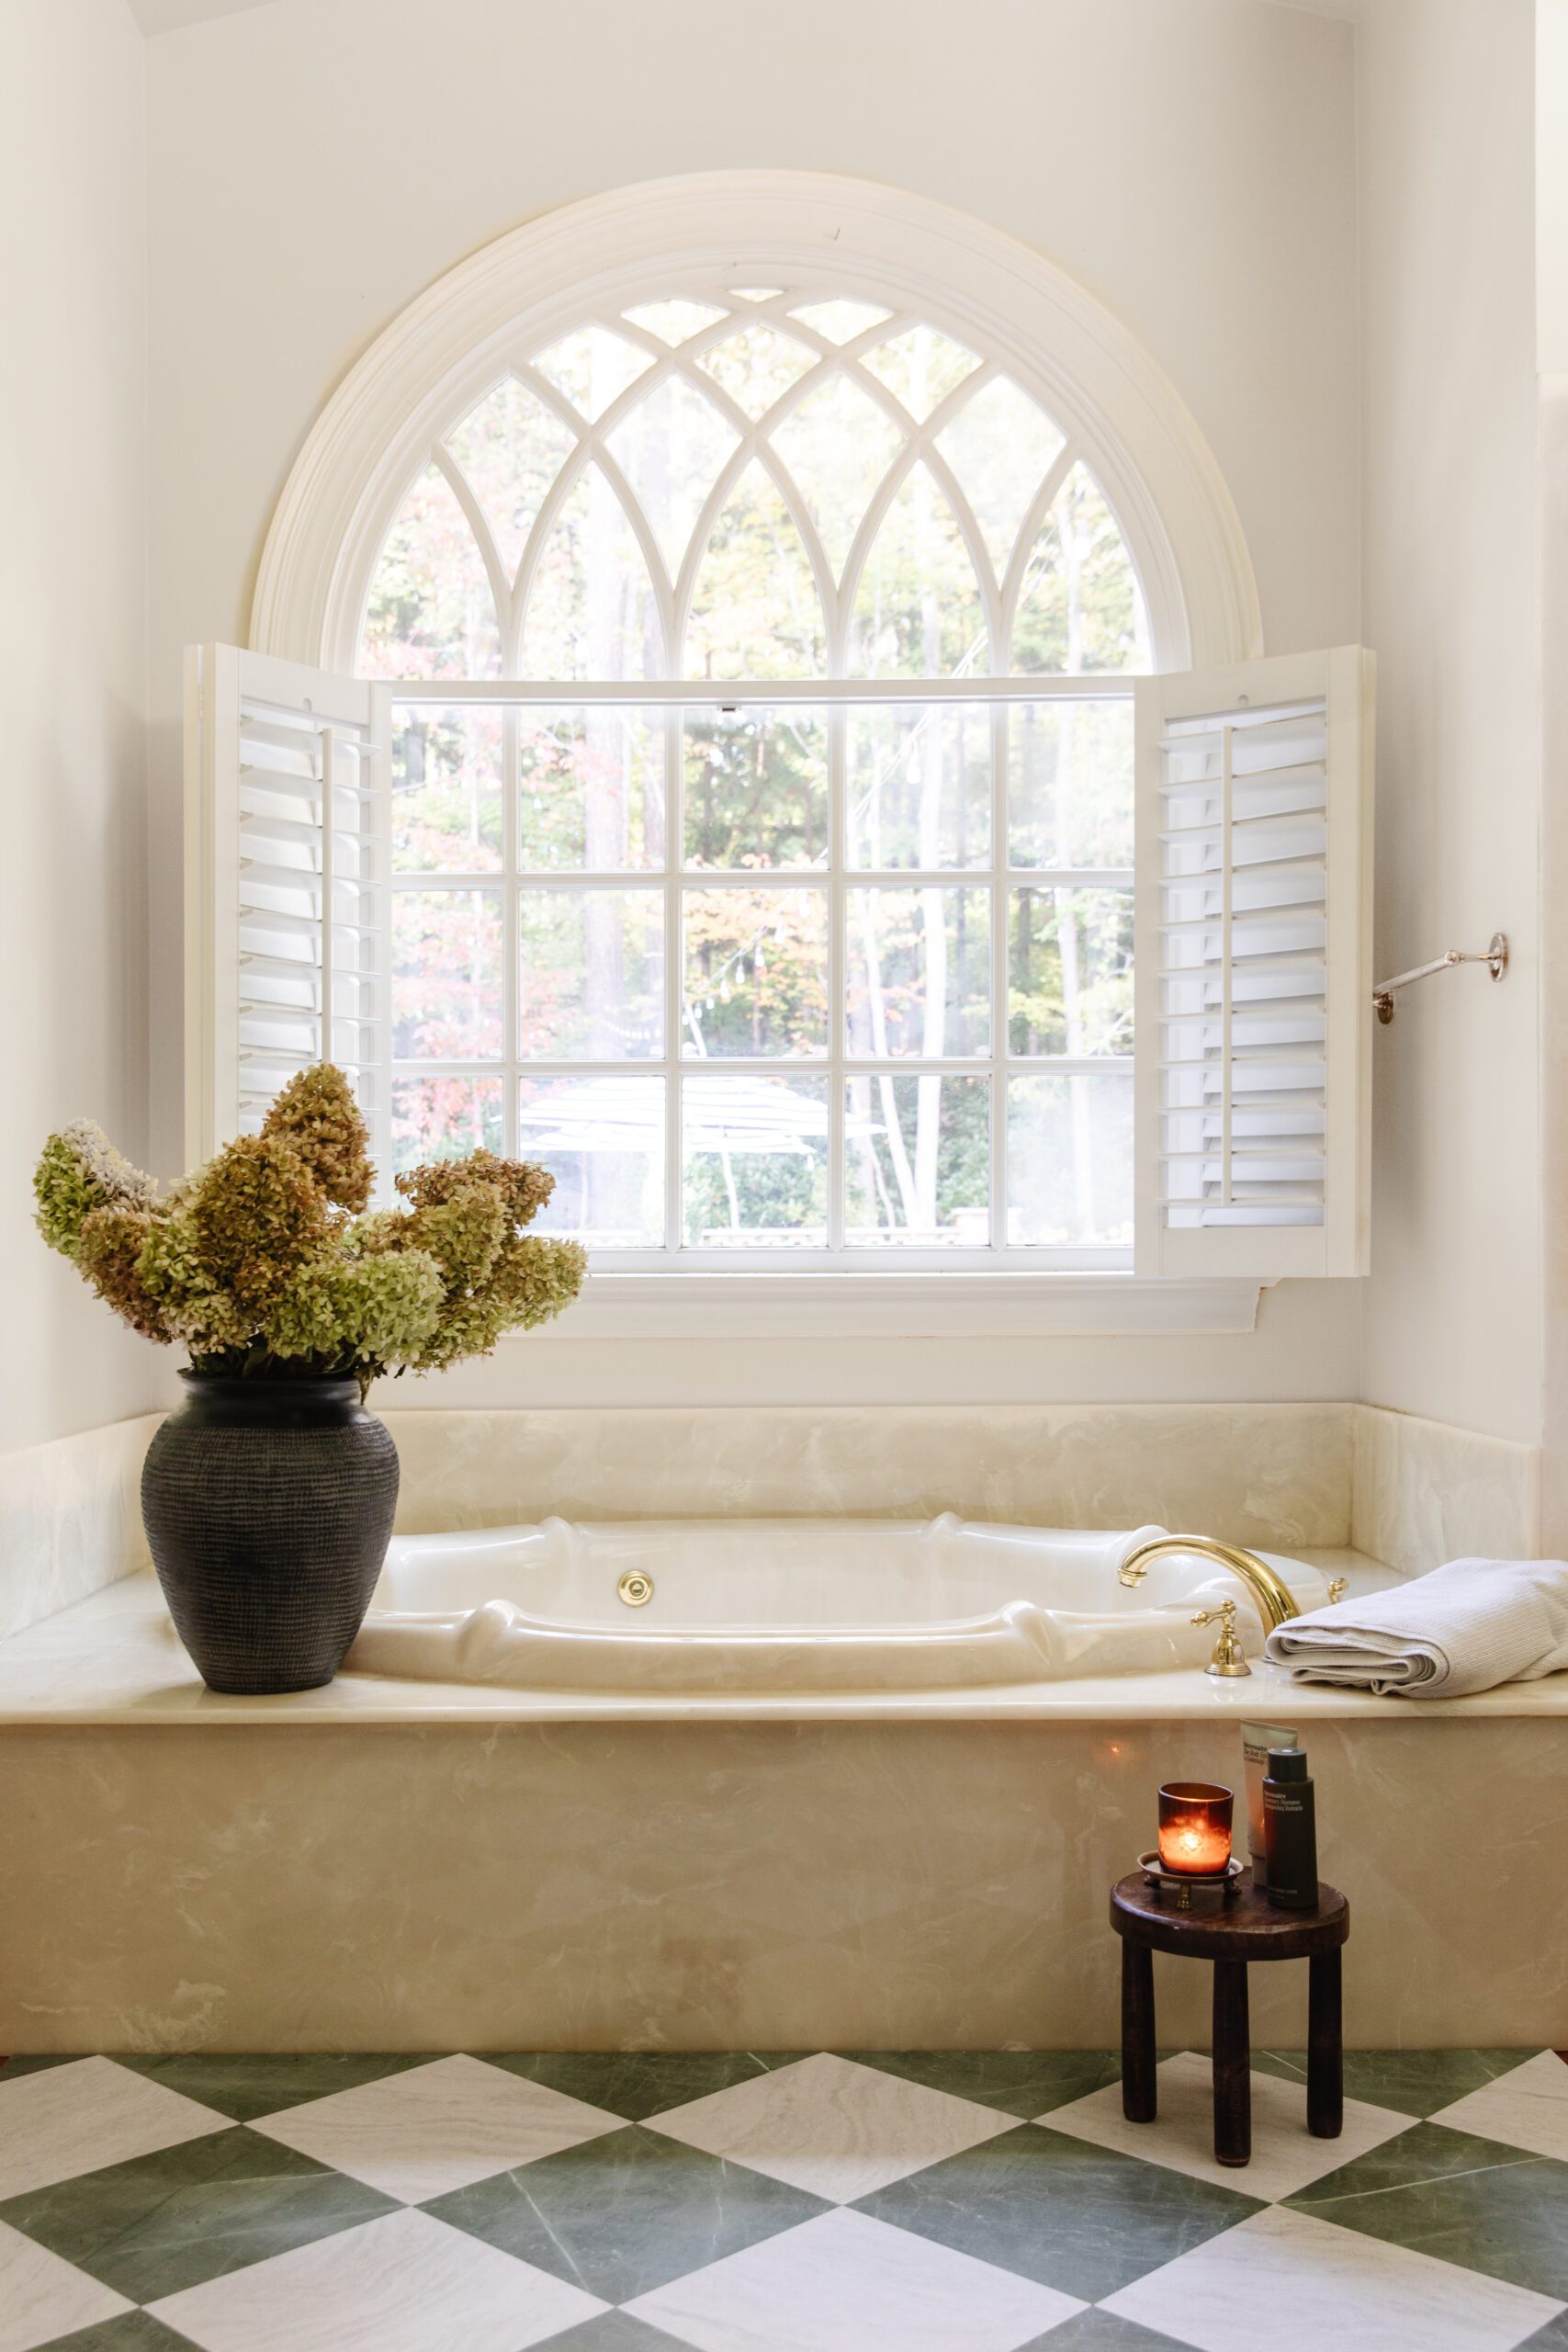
(1195, 1829)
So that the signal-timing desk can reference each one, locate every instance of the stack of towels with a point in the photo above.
(1464, 1627)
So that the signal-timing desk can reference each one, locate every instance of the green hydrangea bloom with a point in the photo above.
(79, 1170)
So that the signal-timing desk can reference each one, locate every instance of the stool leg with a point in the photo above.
(1232, 2064)
(1326, 2047)
(1138, 2093)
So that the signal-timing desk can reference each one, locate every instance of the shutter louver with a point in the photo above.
(286, 811)
(1253, 967)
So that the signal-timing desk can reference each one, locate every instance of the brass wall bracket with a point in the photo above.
(1496, 959)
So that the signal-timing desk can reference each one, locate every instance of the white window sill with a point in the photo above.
(800, 1305)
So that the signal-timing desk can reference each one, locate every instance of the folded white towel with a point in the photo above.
(1463, 1627)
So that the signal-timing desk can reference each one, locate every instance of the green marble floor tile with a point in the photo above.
(1018, 2081)
(244, 2088)
(626, 2213)
(639, 2082)
(1056, 2210)
(1095, 2331)
(1413, 2082)
(9, 2066)
(1552, 2337)
(1464, 2200)
(615, 2332)
(132, 2331)
(189, 2213)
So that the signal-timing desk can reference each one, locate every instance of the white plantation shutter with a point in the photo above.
(286, 818)
(1253, 968)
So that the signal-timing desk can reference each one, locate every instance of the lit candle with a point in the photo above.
(1195, 1827)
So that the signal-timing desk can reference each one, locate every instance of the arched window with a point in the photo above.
(929, 899)
(755, 571)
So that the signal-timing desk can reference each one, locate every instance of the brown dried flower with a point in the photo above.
(316, 1112)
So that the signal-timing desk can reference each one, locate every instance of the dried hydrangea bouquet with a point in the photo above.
(268, 1496)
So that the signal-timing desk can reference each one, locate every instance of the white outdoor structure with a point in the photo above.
(521, 504)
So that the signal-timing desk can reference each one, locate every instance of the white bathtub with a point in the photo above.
(791, 1604)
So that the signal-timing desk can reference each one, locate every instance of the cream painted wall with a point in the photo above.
(1452, 1315)
(73, 621)
(313, 163)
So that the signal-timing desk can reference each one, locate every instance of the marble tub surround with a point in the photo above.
(1276, 1474)
(69, 1518)
(218, 1883)
(1423, 1492)
(727, 2201)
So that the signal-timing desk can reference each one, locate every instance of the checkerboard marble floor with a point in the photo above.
(747, 2202)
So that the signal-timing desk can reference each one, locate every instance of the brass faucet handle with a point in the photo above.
(1337, 1588)
(1229, 1658)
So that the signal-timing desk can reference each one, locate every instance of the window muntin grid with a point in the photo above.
(908, 512)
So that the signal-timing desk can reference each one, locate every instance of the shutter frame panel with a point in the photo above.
(287, 819)
(1253, 947)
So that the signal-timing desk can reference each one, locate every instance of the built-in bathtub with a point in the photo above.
(793, 1604)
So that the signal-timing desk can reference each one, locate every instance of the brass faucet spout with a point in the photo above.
(1276, 1601)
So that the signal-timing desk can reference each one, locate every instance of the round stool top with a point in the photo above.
(1246, 1926)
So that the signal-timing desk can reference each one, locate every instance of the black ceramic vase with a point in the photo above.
(267, 1505)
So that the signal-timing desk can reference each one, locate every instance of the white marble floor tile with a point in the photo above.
(831, 2127)
(1527, 2108)
(417, 2135)
(1285, 2156)
(70, 2120)
(42, 2298)
(1296, 2284)
(846, 2283)
(406, 2283)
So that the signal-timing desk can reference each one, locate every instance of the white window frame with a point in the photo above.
(1119, 413)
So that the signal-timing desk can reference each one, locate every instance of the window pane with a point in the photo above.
(757, 365)
(921, 367)
(1069, 1161)
(1000, 445)
(592, 368)
(756, 972)
(918, 610)
(589, 975)
(1080, 608)
(1070, 783)
(918, 1160)
(592, 612)
(918, 966)
(445, 974)
(755, 1158)
(756, 787)
(1070, 972)
(918, 787)
(602, 1140)
(755, 610)
(838, 445)
(447, 791)
(839, 320)
(590, 790)
(671, 450)
(674, 321)
(511, 449)
(431, 614)
(444, 1118)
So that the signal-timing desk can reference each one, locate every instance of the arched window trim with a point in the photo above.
(441, 354)
(1122, 418)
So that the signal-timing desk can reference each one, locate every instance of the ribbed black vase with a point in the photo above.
(267, 1505)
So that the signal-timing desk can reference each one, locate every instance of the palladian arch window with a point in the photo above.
(720, 728)
(803, 956)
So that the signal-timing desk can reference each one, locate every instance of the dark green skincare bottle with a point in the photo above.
(1289, 1832)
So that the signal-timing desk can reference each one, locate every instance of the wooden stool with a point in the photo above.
(1247, 1926)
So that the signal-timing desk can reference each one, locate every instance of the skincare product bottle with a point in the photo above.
(1290, 1830)
(1257, 1739)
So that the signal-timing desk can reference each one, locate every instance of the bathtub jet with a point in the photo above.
(793, 1605)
